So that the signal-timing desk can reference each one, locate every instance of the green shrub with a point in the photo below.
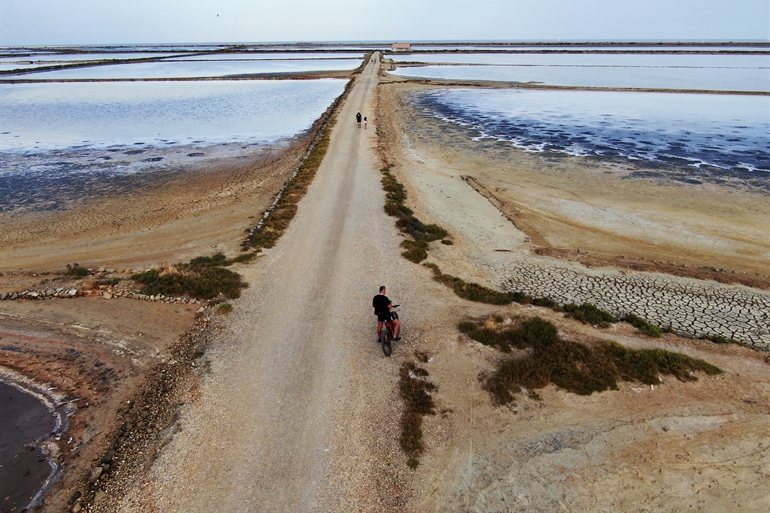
(397, 209)
(422, 234)
(469, 291)
(576, 367)
(589, 314)
(467, 327)
(245, 257)
(416, 250)
(76, 271)
(545, 301)
(718, 339)
(433, 232)
(643, 326)
(217, 259)
(520, 297)
(202, 278)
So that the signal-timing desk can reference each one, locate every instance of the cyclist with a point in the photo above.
(382, 306)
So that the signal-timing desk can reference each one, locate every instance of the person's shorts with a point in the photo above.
(387, 316)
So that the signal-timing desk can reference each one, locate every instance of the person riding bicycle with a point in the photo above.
(382, 306)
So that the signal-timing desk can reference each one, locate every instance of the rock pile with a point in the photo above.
(66, 293)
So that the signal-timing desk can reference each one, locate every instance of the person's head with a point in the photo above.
(382, 289)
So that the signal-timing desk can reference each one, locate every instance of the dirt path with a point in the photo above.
(286, 422)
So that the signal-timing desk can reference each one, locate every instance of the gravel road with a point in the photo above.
(290, 417)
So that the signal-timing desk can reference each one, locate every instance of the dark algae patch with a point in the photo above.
(24, 419)
(572, 366)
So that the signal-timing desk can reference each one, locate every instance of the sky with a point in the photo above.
(51, 22)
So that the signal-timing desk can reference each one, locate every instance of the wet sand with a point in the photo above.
(157, 216)
(23, 467)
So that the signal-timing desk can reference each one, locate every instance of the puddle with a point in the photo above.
(24, 469)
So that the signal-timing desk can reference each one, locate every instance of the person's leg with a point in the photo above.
(379, 329)
(396, 328)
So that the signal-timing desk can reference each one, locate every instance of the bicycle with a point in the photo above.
(386, 335)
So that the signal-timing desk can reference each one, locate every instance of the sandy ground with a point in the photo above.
(300, 409)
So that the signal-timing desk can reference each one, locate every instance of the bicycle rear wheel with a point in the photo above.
(387, 348)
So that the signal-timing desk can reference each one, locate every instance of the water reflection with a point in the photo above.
(23, 468)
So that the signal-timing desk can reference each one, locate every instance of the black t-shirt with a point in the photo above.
(380, 304)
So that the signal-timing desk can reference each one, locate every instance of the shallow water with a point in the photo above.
(598, 48)
(57, 58)
(688, 72)
(596, 60)
(700, 79)
(116, 48)
(46, 116)
(60, 142)
(717, 137)
(23, 419)
(193, 69)
(287, 56)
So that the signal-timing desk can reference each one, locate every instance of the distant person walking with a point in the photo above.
(358, 119)
(365, 122)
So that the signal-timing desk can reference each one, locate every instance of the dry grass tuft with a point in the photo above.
(414, 389)
(470, 291)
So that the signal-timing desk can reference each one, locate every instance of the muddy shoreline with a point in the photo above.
(29, 458)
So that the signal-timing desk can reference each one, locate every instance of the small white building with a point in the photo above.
(401, 47)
